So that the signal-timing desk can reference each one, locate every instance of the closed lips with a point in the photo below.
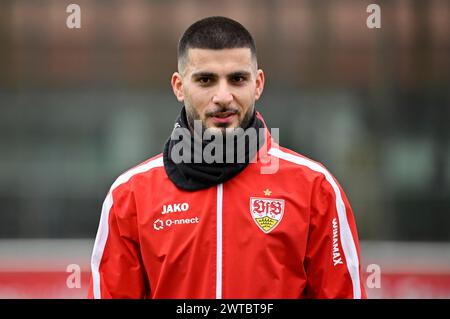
(224, 114)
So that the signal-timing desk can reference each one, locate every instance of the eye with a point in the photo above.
(238, 79)
(204, 80)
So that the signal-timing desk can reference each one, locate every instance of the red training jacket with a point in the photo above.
(288, 234)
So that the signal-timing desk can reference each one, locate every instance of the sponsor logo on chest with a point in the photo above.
(177, 220)
(174, 208)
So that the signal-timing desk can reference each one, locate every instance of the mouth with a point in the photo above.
(224, 117)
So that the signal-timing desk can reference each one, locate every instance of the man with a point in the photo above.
(265, 222)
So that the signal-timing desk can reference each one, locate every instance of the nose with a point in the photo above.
(223, 95)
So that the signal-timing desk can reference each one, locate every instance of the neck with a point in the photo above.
(191, 174)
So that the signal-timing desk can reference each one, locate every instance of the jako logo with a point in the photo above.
(173, 208)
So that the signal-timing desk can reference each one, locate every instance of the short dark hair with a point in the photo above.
(215, 33)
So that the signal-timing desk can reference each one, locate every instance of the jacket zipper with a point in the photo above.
(219, 242)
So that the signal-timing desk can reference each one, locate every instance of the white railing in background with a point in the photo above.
(47, 268)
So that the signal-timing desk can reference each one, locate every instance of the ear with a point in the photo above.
(259, 84)
(177, 86)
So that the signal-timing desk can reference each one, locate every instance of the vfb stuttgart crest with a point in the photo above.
(266, 212)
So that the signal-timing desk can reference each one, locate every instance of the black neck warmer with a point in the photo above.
(193, 171)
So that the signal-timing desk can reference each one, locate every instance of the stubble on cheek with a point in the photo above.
(193, 115)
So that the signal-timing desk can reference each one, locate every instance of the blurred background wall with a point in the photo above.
(80, 106)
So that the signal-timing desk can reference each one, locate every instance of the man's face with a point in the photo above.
(219, 87)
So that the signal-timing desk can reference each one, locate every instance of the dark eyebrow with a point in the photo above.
(204, 74)
(244, 74)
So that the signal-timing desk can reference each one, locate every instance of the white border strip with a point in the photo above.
(56, 254)
(348, 244)
(103, 228)
(219, 242)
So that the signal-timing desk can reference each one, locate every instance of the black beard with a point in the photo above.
(194, 116)
(192, 175)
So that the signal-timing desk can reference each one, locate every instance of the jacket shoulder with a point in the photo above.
(296, 161)
(146, 167)
(308, 171)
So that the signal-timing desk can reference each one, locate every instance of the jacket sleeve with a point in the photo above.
(332, 260)
(116, 265)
